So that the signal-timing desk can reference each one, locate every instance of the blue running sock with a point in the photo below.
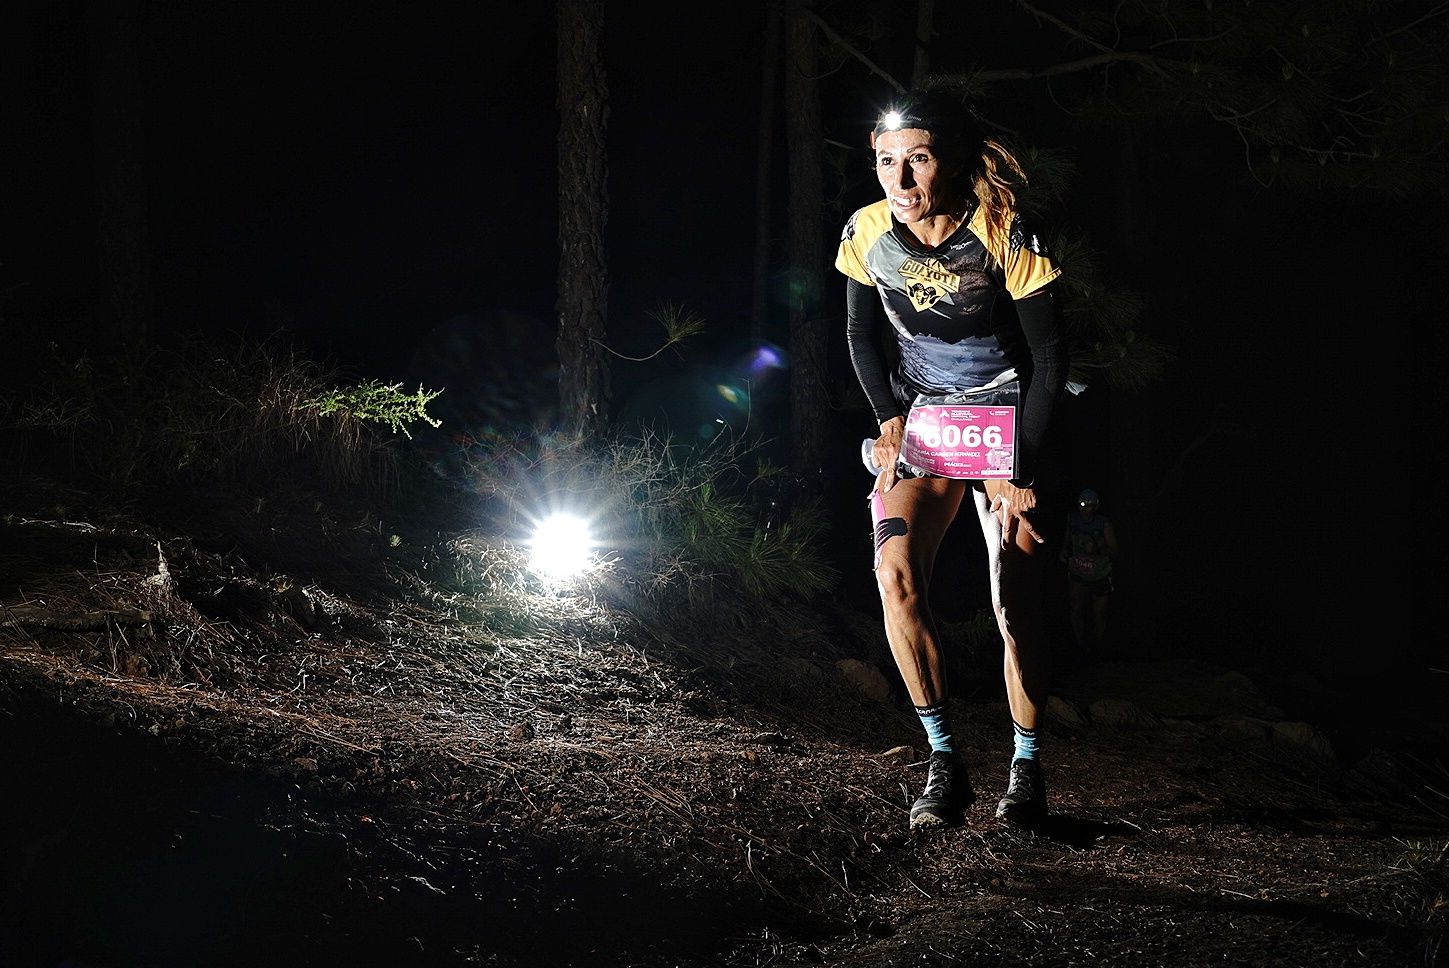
(937, 720)
(1025, 742)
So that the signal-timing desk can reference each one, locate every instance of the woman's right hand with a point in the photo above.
(887, 451)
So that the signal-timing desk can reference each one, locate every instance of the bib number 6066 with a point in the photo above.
(952, 436)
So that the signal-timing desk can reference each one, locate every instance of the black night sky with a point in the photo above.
(363, 174)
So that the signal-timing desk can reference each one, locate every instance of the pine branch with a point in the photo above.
(1084, 64)
(679, 325)
(853, 51)
(1439, 11)
(1062, 25)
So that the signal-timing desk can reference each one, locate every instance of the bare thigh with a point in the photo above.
(1012, 569)
(913, 517)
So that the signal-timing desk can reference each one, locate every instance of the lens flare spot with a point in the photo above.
(764, 359)
(733, 395)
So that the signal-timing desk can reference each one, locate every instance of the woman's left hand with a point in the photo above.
(1010, 504)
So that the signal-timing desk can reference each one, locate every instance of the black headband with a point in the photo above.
(942, 115)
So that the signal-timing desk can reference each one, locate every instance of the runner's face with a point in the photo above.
(910, 171)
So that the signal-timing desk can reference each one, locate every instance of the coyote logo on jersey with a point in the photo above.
(927, 282)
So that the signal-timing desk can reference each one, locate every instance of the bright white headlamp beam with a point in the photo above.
(562, 546)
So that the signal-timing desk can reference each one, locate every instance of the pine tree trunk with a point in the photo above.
(809, 397)
(1131, 457)
(1129, 439)
(764, 165)
(925, 24)
(122, 229)
(583, 283)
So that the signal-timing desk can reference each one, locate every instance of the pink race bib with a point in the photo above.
(960, 441)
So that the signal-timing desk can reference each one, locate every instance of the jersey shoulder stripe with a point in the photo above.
(1022, 255)
(862, 231)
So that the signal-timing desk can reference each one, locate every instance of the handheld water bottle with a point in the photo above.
(867, 455)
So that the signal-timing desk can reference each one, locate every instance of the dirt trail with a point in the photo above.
(273, 769)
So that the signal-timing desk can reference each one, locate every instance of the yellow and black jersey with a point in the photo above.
(940, 300)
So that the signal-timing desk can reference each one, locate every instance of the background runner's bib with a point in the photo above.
(970, 435)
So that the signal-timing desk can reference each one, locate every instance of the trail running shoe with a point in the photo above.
(948, 794)
(1025, 799)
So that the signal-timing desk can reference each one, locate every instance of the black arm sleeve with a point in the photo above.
(862, 313)
(1041, 322)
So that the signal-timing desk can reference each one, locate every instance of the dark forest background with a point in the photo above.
(379, 182)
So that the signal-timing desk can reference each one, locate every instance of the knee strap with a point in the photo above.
(885, 528)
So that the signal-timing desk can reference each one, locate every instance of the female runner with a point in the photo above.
(933, 259)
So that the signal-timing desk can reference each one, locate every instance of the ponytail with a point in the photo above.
(995, 186)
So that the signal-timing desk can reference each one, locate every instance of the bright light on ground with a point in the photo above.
(562, 546)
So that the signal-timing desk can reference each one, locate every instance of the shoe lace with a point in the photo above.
(1023, 783)
(938, 778)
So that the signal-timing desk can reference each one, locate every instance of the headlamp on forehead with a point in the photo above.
(941, 114)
